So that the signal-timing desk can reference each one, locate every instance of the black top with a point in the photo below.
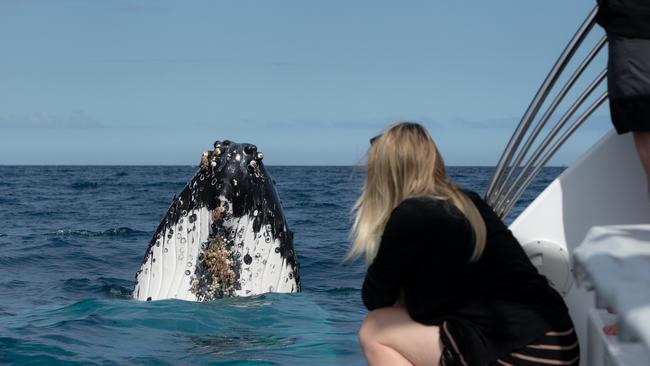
(496, 304)
(630, 18)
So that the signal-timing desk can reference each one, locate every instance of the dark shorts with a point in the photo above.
(628, 74)
(553, 348)
(559, 347)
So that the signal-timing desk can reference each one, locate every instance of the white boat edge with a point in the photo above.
(605, 186)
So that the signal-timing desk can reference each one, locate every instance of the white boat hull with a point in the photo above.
(606, 186)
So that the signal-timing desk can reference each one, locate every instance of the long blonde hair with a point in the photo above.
(404, 162)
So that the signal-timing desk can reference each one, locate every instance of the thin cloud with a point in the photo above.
(155, 60)
(75, 119)
(219, 61)
(491, 123)
(178, 60)
(343, 124)
(595, 122)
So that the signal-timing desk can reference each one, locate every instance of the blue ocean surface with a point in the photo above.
(72, 238)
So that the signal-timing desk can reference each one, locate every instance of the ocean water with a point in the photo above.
(71, 239)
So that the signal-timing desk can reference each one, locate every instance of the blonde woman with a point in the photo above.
(447, 283)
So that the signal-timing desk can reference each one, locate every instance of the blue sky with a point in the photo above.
(156, 82)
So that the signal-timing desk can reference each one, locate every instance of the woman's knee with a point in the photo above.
(371, 326)
(369, 329)
(392, 328)
(378, 322)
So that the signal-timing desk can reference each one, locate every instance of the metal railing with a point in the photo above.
(517, 169)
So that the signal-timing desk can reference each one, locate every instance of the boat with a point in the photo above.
(588, 232)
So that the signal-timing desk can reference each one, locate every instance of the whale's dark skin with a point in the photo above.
(242, 204)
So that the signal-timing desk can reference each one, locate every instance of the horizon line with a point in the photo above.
(268, 165)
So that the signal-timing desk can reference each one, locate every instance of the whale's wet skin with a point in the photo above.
(224, 235)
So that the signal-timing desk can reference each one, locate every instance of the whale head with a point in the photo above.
(225, 234)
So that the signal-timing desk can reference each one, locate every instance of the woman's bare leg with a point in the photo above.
(642, 143)
(388, 336)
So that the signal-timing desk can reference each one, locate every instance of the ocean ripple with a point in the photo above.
(339, 290)
(108, 287)
(81, 185)
(23, 260)
(115, 232)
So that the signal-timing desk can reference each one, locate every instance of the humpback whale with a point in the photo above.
(224, 235)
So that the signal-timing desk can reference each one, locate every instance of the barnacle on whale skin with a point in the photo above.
(204, 161)
(215, 277)
(216, 213)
